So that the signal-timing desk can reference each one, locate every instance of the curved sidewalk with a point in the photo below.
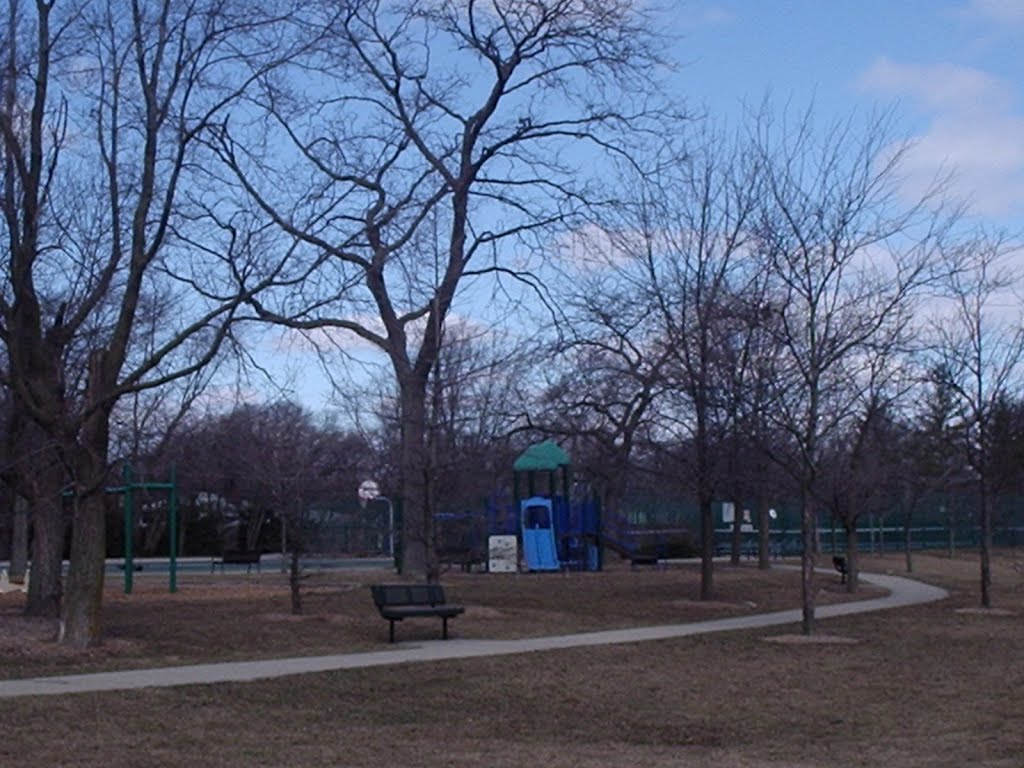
(902, 592)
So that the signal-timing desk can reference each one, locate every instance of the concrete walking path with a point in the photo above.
(902, 592)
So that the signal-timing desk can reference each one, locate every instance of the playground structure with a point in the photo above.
(554, 532)
(555, 529)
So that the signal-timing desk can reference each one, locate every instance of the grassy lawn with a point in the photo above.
(935, 685)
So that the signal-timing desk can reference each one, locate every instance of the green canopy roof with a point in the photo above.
(542, 457)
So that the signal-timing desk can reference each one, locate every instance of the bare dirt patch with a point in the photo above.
(925, 686)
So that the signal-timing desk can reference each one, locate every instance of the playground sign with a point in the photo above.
(502, 554)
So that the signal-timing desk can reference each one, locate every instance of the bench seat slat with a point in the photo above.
(399, 612)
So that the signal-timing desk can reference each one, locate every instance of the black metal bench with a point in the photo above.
(405, 601)
(245, 558)
(639, 560)
(839, 563)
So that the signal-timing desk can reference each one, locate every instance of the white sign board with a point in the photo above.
(368, 490)
(502, 554)
(728, 511)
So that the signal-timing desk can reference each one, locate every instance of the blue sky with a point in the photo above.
(953, 68)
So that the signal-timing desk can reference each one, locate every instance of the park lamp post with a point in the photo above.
(370, 491)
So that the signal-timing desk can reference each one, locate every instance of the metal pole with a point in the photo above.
(129, 528)
(391, 525)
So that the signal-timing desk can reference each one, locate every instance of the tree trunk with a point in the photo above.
(807, 560)
(7, 498)
(764, 536)
(47, 513)
(81, 619)
(707, 549)
(19, 540)
(737, 535)
(80, 622)
(852, 556)
(294, 583)
(986, 548)
(908, 519)
(419, 558)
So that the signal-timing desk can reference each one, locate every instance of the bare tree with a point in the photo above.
(859, 462)
(696, 230)
(745, 362)
(102, 105)
(980, 349)
(848, 257)
(474, 126)
(607, 374)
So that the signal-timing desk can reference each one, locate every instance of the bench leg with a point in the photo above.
(444, 627)
(391, 630)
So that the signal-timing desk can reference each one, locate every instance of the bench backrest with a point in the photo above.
(241, 556)
(407, 594)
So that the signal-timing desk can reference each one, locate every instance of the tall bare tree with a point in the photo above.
(848, 256)
(102, 104)
(859, 461)
(689, 268)
(476, 126)
(980, 350)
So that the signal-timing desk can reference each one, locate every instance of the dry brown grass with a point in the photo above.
(924, 686)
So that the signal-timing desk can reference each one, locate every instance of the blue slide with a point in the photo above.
(539, 549)
(538, 529)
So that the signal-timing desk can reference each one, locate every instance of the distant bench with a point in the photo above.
(248, 559)
(839, 563)
(641, 559)
(406, 601)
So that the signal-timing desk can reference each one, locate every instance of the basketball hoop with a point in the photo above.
(368, 491)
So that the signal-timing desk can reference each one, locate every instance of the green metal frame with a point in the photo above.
(128, 489)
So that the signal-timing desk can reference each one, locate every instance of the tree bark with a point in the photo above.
(807, 559)
(294, 583)
(707, 549)
(419, 558)
(852, 556)
(985, 522)
(81, 619)
(908, 519)
(764, 537)
(47, 517)
(736, 543)
(19, 540)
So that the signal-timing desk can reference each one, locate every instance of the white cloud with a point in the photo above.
(1003, 11)
(975, 129)
(715, 16)
(595, 248)
(943, 87)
